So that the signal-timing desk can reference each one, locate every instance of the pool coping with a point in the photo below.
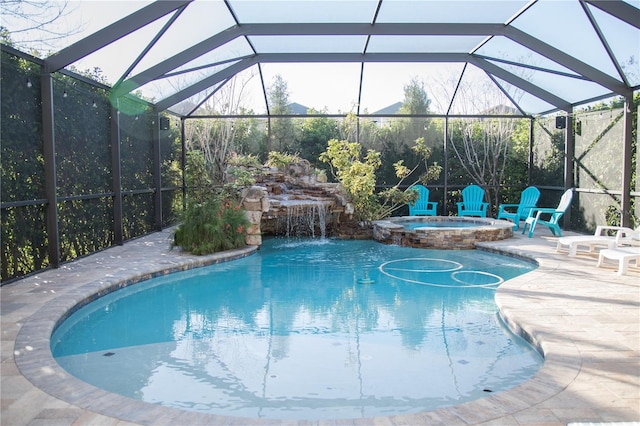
(560, 369)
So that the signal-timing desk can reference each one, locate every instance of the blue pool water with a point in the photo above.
(306, 329)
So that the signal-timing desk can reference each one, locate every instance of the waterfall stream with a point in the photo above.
(304, 218)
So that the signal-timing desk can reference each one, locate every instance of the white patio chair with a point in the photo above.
(623, 255)
(599, 239)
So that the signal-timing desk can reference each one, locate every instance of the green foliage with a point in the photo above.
(432, 172)
(5, 36)
(548, 165)
(172, 174)
(249, 135)
(395, 142)
(212, 226)
(282, 128)
(357, 175)
(515, 177)
(312, 135)
(85, 176)
(244, 160)
(393, 197)
(416, 100)
(197, 178)
(213, 219)
(239, 178)
(22, 228)
(242, 172)
(282, 160)
(83, 164)
(348, 127)
(248, 160)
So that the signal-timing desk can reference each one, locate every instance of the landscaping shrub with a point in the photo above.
(212, 226)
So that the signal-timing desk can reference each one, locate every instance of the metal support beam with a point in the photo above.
(177, 60)
(567, 61)
(605, 43)
(356, 57)
(360, 88)
(340, 57)
(183, 164)
(116, 178)
(268, 134)
(445, 211)
(204, 84)
(620, 9)
(569, 155)
(530, 165)
(307, 29)
(113, 32)
(157, 172)
(49, 151)
(521, 83)
(378, 29)
(627, 140)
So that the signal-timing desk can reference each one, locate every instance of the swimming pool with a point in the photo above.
(306, 329)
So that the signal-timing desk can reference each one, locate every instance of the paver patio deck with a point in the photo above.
(586, 320)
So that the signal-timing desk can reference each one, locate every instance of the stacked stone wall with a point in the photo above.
(275, 195)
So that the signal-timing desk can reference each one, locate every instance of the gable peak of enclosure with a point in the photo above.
(356, 56)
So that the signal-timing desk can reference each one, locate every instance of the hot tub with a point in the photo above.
(441, 232)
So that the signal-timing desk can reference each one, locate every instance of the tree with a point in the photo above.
(313, 134)
(249, 135)
(482, 146)
(356, 174)
(516, 175)
(215, 138)
(483, 149)
(396, 139)
(32, 21)
(282, 128)
(370, 134)
(416, 100)
(349, 127)
(358, 177)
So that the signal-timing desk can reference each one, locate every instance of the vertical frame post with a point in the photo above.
(627, 141)
(569, 156)
(184, 163)
(445, 210)
(116, 178)
(531, 141)
(157, 172)
(49, 152)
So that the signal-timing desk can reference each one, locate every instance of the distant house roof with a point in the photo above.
(391, 109)
(297, 108)
(501, 109)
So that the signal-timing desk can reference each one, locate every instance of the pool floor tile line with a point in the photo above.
(585, 319)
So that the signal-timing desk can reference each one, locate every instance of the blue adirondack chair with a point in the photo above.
(536, 216)
(528, 200)
(422, 206)
(472, 203)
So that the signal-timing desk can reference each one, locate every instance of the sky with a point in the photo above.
(334, 87)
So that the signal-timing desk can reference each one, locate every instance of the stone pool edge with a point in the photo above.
(35, 361)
